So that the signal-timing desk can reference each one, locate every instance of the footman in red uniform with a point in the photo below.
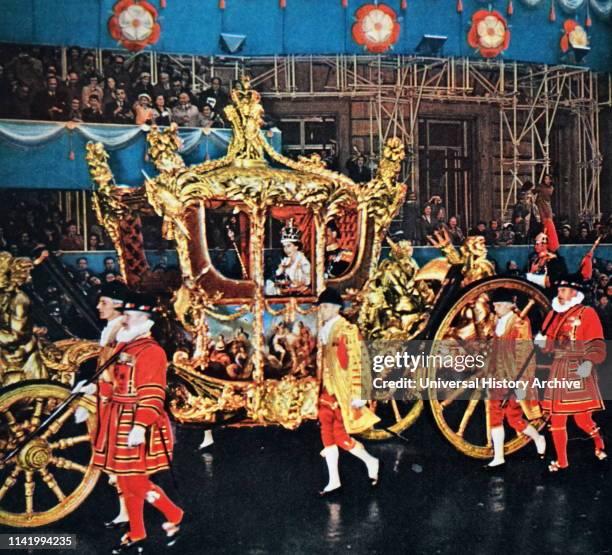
(575, 338)
(341, 410)
(134, 438)
(511, 347)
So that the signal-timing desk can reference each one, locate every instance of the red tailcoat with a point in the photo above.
(135, 395)
(582, 325)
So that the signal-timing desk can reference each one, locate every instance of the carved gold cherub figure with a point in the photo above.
(19, 355)
(472, 255)
(395, 304)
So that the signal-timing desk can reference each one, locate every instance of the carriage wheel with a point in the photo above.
(51, 475)
(395, 416)
(466, 423)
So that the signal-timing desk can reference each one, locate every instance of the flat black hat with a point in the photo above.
(140, 302)
(115, 290)
(573, 281)
(331, 296)
(503, 295)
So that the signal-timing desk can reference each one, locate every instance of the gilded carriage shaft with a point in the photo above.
(258, 237)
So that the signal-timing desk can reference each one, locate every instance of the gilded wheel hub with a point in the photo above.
(35, 455)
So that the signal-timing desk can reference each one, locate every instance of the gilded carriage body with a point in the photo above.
(258, 237)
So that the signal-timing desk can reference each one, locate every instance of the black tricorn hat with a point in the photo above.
(503, 295)
(573, 281)
(140, 302)
(116, 291)
(331, 296)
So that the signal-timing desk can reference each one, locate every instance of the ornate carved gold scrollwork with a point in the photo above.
(395, 304)
(66, 356)
(109, 208)
(472, 255)
(163, 147)
(19, 345)
(244, 178)
(287, 402)
(384, 194)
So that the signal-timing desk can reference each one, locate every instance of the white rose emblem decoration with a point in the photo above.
(134, 24)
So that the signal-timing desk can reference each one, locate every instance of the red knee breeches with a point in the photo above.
(333, 431)
(512, 411)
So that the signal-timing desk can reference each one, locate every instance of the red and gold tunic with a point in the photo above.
(135, 396)
(511, 348)
(573, 337)
(342, 376)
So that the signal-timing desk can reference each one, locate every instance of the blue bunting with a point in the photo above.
(36, 155)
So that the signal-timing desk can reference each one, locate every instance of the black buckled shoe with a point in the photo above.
(173, 532)
(127, 545)
(497, 468)
(331, 494)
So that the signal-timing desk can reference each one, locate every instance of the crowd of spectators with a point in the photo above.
(32, 223)
(119, 92)
(418, 224)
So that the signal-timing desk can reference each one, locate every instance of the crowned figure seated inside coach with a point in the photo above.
(293, 275)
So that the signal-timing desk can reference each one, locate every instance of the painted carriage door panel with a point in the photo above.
(445, 161)
(290, 343)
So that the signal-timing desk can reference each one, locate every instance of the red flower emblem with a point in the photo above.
(376, 27)
(489, 33)
(574, 35)
(134, 24)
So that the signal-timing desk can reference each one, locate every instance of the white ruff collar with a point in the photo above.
(125, 335)
(109, 329)
(558, 307)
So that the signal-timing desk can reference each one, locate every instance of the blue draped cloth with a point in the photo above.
(43, 155)
(572, 254)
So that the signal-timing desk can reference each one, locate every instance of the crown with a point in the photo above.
(290, 233)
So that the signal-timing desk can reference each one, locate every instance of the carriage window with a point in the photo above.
(289, 262)
(227, 235)
(341, 239)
